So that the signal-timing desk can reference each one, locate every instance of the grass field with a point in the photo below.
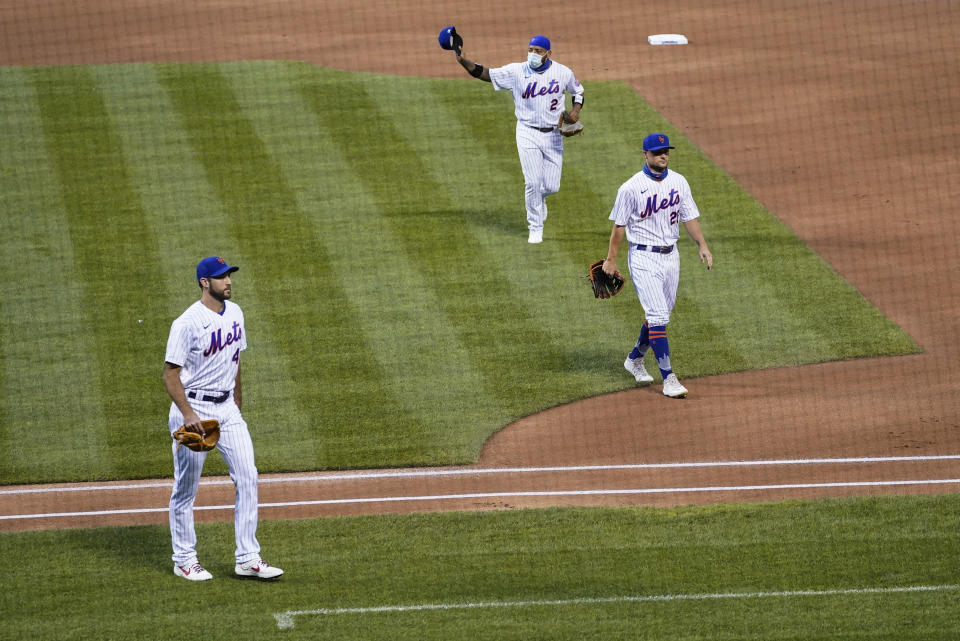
(396, 315)
(830, 569)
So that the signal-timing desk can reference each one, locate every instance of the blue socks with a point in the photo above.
(642, 344)
(654, 337)
(661, 349)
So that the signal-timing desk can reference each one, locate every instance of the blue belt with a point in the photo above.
(655, 248)
(210, 399)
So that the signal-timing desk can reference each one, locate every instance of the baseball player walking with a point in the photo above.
(539, 87)
(201, 373)
(648, 210)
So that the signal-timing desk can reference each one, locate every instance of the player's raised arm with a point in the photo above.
(476, 70)
(450, 40)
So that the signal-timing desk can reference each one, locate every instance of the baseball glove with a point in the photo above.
(199, 442)
(568, 128)
(604, 285)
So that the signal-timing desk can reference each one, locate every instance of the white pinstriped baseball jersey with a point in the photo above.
(207, 345)
(539, 99)
(538, 96)
(651, 210)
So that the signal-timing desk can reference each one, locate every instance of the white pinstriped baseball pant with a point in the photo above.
(655, 278)
(236, 447)
(541, 158)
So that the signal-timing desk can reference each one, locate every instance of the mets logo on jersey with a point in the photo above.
(218, 342)
(653, 205)
(533, 90)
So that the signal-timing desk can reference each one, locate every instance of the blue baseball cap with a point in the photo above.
(654, 142)
(540, 41)
(213, 267)
(446, 37)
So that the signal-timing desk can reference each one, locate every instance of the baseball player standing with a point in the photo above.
(648, 210)
(201, 373)
(539, 87)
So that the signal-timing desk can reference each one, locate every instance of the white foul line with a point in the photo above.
(600, 468)
(498, 495)
(349, 476)
(285, 619)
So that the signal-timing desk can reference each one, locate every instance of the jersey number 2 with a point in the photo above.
(553, 104)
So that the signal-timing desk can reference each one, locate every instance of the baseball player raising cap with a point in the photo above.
(648, 211)
(539, 86)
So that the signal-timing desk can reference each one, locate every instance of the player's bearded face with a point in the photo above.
(658, 160)
(220, 288)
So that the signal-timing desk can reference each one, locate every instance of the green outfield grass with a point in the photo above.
(589, 573)
(396, 315)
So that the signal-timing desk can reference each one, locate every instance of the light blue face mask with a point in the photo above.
(535, 60)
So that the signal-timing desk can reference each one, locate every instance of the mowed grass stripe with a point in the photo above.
(386, 285)
(189, 222)
(329, 360)
(43, 345)
(113, 249)
(486, 182)
(186, 216)
(474, 292)
(786, 305)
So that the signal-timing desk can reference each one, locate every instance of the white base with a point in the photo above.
(667, 39)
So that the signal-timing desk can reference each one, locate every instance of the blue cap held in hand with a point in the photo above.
(449, 39)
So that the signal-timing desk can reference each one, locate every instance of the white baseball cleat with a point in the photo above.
(673, 388)
(257, 568)
(192, 571)
(536, 236)
(637, 368)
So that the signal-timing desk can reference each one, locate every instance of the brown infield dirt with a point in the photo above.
(841, 118)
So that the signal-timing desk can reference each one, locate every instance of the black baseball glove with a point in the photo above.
(603, 284)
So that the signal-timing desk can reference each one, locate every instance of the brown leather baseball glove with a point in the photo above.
(199, 442)
(604, 285)
(568, 128)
